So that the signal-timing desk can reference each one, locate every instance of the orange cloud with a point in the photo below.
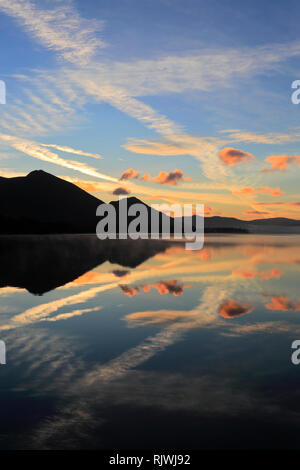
(129, 174)
(256, 213)
(282, 162)
(232, 309)
(171, 177)
(146, 177)
(147, 147)
(231, 156)
(282, 303)
(264, 190)
(278, 203)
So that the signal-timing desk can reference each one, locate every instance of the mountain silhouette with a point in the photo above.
(41, 203)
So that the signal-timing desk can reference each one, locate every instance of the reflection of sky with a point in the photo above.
(188, 331)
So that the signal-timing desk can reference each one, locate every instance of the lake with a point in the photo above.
(145, 345)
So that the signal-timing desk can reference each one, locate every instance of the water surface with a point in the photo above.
(146, 345)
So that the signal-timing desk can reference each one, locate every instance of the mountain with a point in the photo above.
(42, 203)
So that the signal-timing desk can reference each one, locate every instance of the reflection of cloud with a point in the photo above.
(282, 303)
(163, 287)
(262, 327)
(270, 274)
(43, 311)
(232, 308)
(166, 287)
(129, 291)
(231, 156)
(204, 314)
(120, 272)
(75, 313)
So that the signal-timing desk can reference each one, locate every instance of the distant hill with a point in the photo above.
(42, 203)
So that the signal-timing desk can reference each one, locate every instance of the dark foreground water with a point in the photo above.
(146, 345)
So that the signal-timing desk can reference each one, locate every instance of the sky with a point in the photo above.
(171, 101)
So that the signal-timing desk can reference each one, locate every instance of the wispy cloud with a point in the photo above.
(237, 135)
(264, 190)
(60, 29)
(38, 151)
(65, 149)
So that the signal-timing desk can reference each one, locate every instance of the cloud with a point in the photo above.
(272, 138)
(120, 192)
(60, 29)
(129, 174)
(231, 156)
(264, 190)
(256, 213)
(207, 70)
(278, 203)
(205, 150)
(282, 162)
(63, 148)
(232, 309)
(147, 147)
(10, 173)
(76, 40)
(171, 177)
(36, 150)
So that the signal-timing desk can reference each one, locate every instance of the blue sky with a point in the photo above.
(196, 95)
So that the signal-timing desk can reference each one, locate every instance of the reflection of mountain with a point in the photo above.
(43, 203)
(42, 263)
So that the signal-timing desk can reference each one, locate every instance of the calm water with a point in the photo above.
(146, 345)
